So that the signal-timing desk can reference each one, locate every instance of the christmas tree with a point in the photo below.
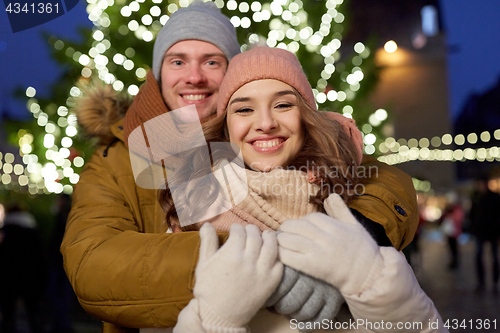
(118, 51)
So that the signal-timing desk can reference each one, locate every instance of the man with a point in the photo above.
(485, 226)
(123, 266)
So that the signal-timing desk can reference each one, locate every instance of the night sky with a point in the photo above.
(473, 38)
(25, 57)
(472, 27)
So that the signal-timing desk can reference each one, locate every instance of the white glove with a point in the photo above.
(233, 282)
(189, 320)
(336, 250)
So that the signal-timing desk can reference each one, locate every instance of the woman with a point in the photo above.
(267, 110)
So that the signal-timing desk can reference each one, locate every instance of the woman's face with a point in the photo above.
(263, 119)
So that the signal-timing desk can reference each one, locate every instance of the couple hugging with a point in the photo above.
(328, 263)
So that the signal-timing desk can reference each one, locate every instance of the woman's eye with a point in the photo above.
(243, 110)
(284, 105)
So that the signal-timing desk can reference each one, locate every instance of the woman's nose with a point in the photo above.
(265, 121)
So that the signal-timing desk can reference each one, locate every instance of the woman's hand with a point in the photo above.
(233, 282)
(335, 249)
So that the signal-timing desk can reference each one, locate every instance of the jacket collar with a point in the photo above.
(117, 130)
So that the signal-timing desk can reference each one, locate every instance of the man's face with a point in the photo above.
(191, 74)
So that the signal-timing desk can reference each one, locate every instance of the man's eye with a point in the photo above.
(212, 63)
(177, 62)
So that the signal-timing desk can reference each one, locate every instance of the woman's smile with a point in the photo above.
(270, 145)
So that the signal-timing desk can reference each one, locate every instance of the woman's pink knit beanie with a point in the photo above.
(262, 63)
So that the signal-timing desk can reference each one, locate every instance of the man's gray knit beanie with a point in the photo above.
(201, 21)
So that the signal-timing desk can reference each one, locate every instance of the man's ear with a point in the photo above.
(159, 79)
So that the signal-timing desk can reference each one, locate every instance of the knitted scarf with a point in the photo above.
(147, 104)
(265, 199)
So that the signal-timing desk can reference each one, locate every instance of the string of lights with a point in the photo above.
(403, 150)
(391, 145)
(458, 155)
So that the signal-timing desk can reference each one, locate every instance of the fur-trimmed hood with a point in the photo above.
(99, 107)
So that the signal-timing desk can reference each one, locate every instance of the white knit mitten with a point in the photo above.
(189, 320)
(233, 282)
(338, 251)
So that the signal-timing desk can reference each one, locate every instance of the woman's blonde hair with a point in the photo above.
(328, 153)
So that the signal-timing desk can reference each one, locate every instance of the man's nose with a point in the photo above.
(195, 75)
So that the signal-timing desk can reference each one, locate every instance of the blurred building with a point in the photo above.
(413, 78)
(480, 114)
(416, 80)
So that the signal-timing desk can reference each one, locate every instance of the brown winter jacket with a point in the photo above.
(122, 265)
